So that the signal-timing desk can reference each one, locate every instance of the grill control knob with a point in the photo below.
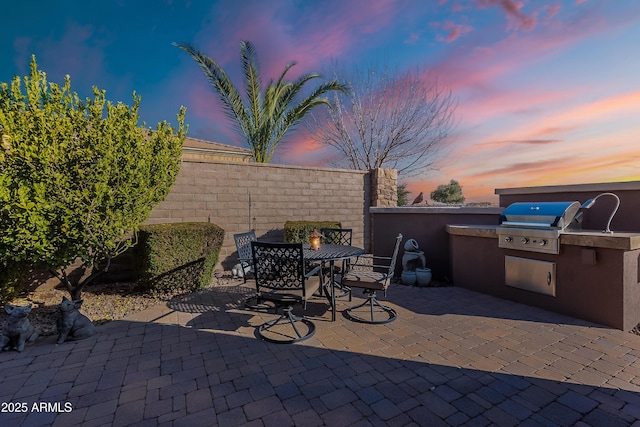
(525, 240)
(508, 239)
(542, 242)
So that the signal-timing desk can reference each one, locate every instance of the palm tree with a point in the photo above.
(262, 118)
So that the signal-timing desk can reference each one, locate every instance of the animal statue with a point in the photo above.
(71, 323)
(17, 330)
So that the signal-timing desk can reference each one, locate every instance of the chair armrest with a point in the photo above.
(375, 261)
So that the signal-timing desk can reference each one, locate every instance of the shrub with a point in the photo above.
(12, 279)
(77, 176)
(299, 231)
(177, 257)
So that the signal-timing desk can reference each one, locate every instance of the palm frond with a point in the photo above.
(253, 83)
(265, 117)
(228, 94)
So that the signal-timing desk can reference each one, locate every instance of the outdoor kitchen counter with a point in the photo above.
(597, 275)
(587, 238)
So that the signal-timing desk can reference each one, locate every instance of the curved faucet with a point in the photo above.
(591, 202)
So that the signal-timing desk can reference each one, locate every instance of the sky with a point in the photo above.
(548, 91)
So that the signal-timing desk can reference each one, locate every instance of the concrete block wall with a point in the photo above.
(243, 196)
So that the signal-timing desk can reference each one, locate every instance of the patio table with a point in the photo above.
(331, 254)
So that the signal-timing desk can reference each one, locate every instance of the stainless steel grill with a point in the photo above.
(535, 226)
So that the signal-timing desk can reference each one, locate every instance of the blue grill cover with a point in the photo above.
(539, 214)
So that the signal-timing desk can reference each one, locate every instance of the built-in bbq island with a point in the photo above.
(595, 275)
(576, 270)
(540, 254)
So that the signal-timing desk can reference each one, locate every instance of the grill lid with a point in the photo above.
(556, 215)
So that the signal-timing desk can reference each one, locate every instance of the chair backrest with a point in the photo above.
(278, 266)
(243, 244)
(392, 264)
(336, 236)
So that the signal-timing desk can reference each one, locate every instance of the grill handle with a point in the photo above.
(526, 224)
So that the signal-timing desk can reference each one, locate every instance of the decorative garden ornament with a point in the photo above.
(17, 330)
(72, 324)
(414, 260)
(423, 276)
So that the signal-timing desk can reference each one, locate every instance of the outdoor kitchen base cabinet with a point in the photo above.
(596, 275)
(530, 274)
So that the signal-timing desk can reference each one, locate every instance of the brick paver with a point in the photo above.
(453, 357)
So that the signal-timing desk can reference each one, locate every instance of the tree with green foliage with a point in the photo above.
(448, 193)
(403, 194)
(263, 118)
(77, 177)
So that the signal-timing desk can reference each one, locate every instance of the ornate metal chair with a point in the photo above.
(279, 270)
(372, 274)
(339, 236)
(243, 245)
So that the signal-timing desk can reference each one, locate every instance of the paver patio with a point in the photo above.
(453, 357)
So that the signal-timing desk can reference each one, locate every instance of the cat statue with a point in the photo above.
(17, 330)
(72, 324)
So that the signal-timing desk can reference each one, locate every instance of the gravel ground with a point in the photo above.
(101, 302)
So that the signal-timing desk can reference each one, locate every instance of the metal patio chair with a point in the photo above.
(243, 246)
(336, 236)
(279, 271)
(339, 236)
(372, 274)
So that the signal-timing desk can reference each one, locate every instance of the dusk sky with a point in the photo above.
(548, 90)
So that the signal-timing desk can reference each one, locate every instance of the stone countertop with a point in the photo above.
(473, 230)
(588, 238)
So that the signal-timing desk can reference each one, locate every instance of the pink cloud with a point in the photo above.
(558, 161)
(581, 116)
(413, 38)
(309, 37)
(517, 19)
(301, 149)
(552, 130)
(452, 31)
(552, 10)
(479, 68)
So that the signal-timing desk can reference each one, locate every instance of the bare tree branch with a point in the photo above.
(391, 121)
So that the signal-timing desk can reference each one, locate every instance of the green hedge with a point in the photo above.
(13, 279)
(177, 257)
(299, 231)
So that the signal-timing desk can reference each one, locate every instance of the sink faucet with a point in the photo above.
(591, 202)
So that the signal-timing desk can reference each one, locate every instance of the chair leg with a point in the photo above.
(287, 317)
(345, 291)
(374, 307)
(258, 304)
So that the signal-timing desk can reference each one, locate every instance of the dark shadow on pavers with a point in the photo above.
(135, 372)
(212, 299)
(237, 297)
